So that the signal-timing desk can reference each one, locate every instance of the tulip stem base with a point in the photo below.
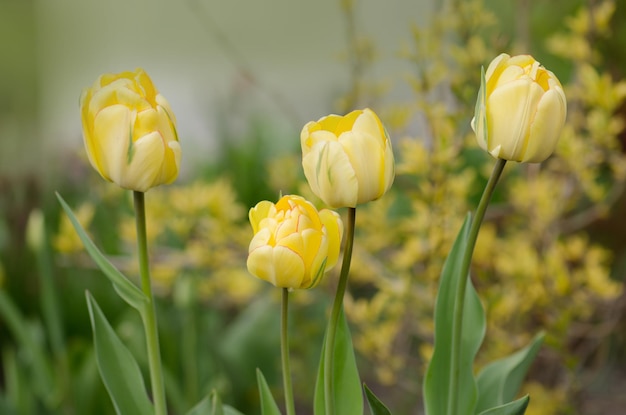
(284, 351)
(336, 312)
(148, 313)
(457, 325)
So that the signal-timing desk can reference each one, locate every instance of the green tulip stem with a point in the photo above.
(284, 351)
(336, 312)
(457, 325)
(148, 313)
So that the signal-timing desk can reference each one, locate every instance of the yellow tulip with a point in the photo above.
(293, 244)
(347, 160)
(129, 131)
(520, 110)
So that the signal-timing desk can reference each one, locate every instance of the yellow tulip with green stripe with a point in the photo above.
(129, 131)
(293, 244)
(347, 160)
(520, 110)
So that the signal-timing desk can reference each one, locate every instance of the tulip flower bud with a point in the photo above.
(293, 244)
(129, 131)
(520, 110)
(347, 160)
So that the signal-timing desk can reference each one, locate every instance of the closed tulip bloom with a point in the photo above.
(347, 160)
(129, 131)
(520, 110)
(293, 244)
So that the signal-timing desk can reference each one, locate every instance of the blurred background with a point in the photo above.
(243, 78)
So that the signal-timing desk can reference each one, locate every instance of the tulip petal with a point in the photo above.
(171, 163)
(546, 128)
(511, 109)
(330, 175)
(259, 212)
(389, 166)
(494, 70)
(261, 238)
(112, 127)
(367, 160)
(279, 266)
(146, 164)
(334, 232)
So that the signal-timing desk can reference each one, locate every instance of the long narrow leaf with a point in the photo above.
(437, 382)
(499, 381)
(268, 404)
(348, 397)
(204, 407)
(376, 406)
(212, 405)
(118, 368)
(124, 287)
(517, 407)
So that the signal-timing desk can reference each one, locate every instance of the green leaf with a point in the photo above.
(268, 404)
(118, 368)
(204, 407)
(348, 397)
(499, 381)
(517, 407)
(376, 406)
(480, 110)
(212, 405)
(124, 287)
(437, 382)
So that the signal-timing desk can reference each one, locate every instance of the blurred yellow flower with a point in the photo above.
(347, 160)
(129, 131)
(520, 110)
(293, 244)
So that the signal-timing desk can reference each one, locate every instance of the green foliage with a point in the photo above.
(517, 407)
(376, 406)
(345, 378)
(268, 404)
(212, 405)
(126, 289)
(438, 391)
(119, 370)
(499, 381)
